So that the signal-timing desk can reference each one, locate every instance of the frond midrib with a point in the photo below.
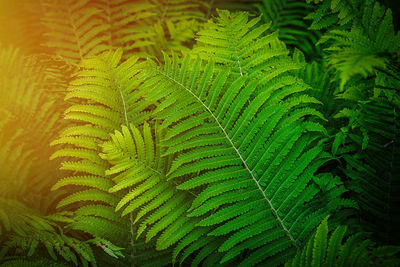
(72, 23)
(237, 152)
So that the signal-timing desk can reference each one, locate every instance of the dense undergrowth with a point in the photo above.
(203, 133)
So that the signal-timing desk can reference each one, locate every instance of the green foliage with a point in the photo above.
(26, 170)
(150, 26)
(83, 28)
(369, 45)
(74, 28)
(103, 96)
(159, 207)
(32, 263)
(341, 249)
(32, 232)
(196, 136)
(239, 43)
(223, 147)
(372, 159)
(103, 106)
(133, 155)
(29, 226)
(364, 53)
(288, 18)
(331, 13)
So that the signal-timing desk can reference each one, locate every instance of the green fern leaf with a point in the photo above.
(157, 205)
(288, 18)
(204, 155)
(363, 49)
(106, 94)
(75, 31)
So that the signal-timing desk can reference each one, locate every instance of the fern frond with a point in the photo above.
(160, 209)
(372, 165)
(128, 24)
(107, 97)
(341, 249)
(237, 42)
(334, 12)
(287, 17)
(256, 139)
(26, 173)
(33, 231)
(75, 29)
(367, 46)
(174, 25)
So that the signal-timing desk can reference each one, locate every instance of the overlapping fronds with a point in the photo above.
(196, 136)
(32, 232)
(104, 97)
(236, 137)
(137, 161)
(208, 133)
(110, 99)
(330, 13)
(160, 209)
(287, 17)
(82, 28)
(107, 96)
(372, 159)
(369, 45)
(75, 29)
(29, 121)
(341, 249)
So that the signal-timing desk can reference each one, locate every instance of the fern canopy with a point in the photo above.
(201, 133)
